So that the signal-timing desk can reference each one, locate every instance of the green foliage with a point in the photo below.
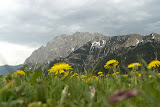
(35, 76)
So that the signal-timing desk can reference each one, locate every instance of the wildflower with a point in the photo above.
(18, 72)
(138, 74)
(108, 75)
(83, 76)
(61, 71)
(100, 74)
(94, 77)
(158, 74)
(75, 74)
(133, 65)
(114, 73)
(117, 73)
(154, 64)
(21, 72)
(60, 68)
(150, 76)
(14, 74)
(111, 63)
(88, 79)
(125, 75)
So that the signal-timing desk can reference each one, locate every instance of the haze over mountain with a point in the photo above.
(89, 48)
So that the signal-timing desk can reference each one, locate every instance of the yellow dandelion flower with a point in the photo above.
(158, 74)
(94, 77)
(117, 73)
(133, 65)
(154, 64)
(100, 74)
(61, 71)
(60, 67)
(66, 74)
(111, 63)
(83, 76)
(14, 74)
(88, 79)
(139, 75)
(150, 76)
(21, 72)
(114, 73)
(108, 75)
(125, 75)
(75, 74)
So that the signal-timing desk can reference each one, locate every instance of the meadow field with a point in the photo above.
(64, 86)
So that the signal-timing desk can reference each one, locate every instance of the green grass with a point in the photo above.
(36, 89)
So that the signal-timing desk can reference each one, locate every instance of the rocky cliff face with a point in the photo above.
(61, 46)
(86, 48)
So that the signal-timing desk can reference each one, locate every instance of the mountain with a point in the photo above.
(4, 70)
(83, 48)
(61, 46)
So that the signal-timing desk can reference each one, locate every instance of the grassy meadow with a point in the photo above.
(64, 86)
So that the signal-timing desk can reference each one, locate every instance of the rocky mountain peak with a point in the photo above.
(61, 46)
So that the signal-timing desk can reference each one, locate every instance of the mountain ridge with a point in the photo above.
(86, 48)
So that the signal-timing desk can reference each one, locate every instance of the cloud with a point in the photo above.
(35, 22)
(13, 54)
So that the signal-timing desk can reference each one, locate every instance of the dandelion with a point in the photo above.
(60, 68)
(75, 74)
(100, 74)
(115, 73)
(83, 76)
(61, 71)
(18, 72)
(88, 79)
(158, 74)
(14, 74)
(21, 72)
(94, 78)
(108, 75)
(139, 75)
(125, 75)
(150, 76)
(134, 65)
(111, 63)
(154, 64)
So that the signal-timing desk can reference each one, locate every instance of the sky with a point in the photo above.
(25, 25)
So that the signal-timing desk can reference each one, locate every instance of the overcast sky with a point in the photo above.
(25, 25)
